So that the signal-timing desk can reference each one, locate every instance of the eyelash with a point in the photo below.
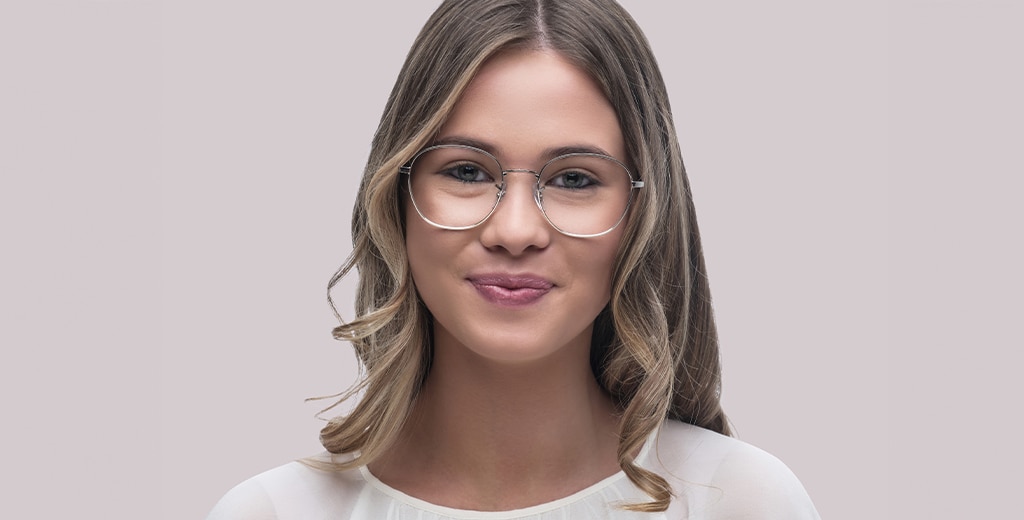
(453, 172)
(588, 179)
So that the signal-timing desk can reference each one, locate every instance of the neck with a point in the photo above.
(495, 435)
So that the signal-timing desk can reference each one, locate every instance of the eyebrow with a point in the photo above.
(495, 150)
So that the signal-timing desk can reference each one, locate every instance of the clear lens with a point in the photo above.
(454, 186)
(458, 187)
(584, 194)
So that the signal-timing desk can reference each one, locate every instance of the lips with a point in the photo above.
(511, 290)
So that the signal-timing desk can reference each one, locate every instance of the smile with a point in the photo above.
(511, 290)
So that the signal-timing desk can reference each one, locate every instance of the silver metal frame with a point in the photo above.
(537, 188)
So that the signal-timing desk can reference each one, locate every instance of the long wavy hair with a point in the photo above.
(654, 347)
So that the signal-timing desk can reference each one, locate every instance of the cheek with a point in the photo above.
(419, 247)
(430, 252)
(416, 243)
(598, 264)
(417, 233)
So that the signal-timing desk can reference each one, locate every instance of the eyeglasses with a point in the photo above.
(458, 187)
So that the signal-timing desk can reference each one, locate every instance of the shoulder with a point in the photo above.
(294, 490)
(715, 476)
(248, 500)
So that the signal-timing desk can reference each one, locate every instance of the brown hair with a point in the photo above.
(654, 348)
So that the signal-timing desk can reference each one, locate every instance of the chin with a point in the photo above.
(522, 346)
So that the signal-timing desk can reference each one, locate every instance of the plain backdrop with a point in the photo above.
(177, 179)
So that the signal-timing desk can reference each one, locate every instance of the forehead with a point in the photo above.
(525, 103)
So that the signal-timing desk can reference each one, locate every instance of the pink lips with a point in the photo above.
(510, 290)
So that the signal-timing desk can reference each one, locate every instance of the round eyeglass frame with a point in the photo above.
(406, 170)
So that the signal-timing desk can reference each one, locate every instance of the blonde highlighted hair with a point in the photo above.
(654, 348)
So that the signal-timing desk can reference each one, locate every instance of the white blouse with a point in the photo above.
(712, 477)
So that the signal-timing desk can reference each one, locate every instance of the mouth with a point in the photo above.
(511, 290)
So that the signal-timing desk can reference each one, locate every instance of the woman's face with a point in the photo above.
(514, 289)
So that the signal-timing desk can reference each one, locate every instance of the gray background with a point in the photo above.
(178, 176)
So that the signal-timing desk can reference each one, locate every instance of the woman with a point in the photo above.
(533, 312)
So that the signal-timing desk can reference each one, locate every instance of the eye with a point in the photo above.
(572, 180)
(467, 172)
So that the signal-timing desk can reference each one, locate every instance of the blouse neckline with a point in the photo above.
(451, 512)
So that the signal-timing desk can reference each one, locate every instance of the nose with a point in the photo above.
(517, 224)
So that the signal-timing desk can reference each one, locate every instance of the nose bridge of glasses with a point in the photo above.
(534, 184)
(535, 173)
